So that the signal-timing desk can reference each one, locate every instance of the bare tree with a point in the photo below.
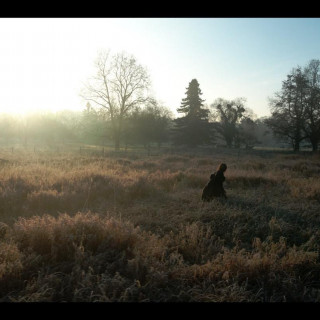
(119, 85)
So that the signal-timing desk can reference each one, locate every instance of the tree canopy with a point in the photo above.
(296, 108)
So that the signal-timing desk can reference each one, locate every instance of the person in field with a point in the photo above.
(214, 187)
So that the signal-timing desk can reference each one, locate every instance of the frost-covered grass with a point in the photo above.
(133, 228)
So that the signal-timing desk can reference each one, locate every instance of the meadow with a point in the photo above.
(132, 228)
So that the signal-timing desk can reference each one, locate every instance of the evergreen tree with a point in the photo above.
(193, 128)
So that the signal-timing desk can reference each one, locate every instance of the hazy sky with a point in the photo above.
(45, 61)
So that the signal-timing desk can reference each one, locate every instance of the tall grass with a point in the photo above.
(91, 228)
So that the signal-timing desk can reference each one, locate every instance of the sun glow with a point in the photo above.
(44, 64)
(46, 61)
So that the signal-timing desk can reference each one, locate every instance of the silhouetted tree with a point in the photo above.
(148, 125)
(227, 115)
(312, 114)
(289, 109)
(264, 134)
(120, 85)
(246, 135)
(193, 128)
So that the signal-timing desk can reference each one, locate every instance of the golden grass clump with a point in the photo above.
(308, 188)
(59, 237)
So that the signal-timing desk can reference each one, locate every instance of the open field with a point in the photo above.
(84, 227)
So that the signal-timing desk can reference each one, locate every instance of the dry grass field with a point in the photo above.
(85, 228)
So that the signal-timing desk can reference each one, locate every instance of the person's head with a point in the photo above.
(222, 167)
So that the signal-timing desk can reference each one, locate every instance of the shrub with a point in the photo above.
(59, 237)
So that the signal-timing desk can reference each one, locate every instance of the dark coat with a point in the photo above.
(214, 187)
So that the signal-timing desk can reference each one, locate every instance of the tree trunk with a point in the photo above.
(296, 141)
(314, 139)
(314, 143)
(117, 134)
(116, 143)
(116, 138)
(296, 146)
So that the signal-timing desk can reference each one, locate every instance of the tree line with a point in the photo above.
(120, 92)
(120, 110)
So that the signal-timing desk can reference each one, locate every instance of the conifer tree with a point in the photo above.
(193, 128)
